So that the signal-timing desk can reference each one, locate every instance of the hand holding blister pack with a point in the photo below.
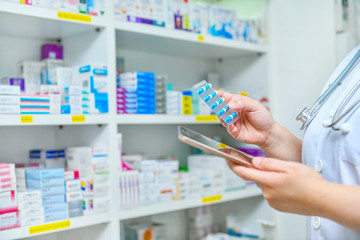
(216, 103)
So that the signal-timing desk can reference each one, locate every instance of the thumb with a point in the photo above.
(269, 164)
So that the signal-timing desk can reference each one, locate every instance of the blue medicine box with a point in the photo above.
(41, 173)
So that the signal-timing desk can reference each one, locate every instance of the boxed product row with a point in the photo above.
(33, 195)
(48, 87)
(197, 17)
(90, 7)
(149, 93)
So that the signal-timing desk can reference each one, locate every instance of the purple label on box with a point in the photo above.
(140, 20)
(51, 51)
(18, 82)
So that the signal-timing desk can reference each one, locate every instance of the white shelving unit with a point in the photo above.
(100, 41)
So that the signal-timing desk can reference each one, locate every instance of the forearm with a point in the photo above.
(340, 203)
(282, 144)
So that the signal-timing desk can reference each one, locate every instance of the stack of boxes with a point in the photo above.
(47, 158)
(32, 72)
(51, 183)
(31, 207)
(54, 97)
(166, 175)
(93, 165)
(214, 171)
(93, 79)
(173, 102)
(34, 104)
(9, 215)
(160, 94)
(74, 196)
(9, 99)
(186, 106)
(147, 183)
(72, 100)
(136, 93)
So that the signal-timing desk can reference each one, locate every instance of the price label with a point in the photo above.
(78, 118)
(210, 199)
(26, 119)
(201, 38)
(210, 118)
(74, 17)
(49, 227)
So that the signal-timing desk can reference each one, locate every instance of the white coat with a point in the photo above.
(334, 154)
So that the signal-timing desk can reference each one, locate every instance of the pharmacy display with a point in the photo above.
(50, 87)
(191, 16)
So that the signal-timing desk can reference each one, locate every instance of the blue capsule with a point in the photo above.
(204, 89)
(224, 110)
(230, 117)
(217, 103)
(210, 96)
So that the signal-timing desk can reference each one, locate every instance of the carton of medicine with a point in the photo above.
(9, 90)
(55, 207)
(58, 198)
(9, 220)
(42, 183)
(8, 201)
(73, 185)
(53, 216)
(28, 195)
(42, 173)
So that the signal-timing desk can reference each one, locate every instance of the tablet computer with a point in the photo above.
(212, 146)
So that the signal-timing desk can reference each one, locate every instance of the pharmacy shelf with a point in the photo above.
(78, 222)
(44, 120)
(35, 22)
(142, 37)
(165, 119)
(159, 208)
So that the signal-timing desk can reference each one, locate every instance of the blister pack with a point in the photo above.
(216, 103)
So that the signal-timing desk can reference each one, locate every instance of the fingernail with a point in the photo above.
(256, 161)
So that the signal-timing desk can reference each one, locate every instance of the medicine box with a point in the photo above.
(55, 207)
(8, 201)
(73, 185)
(42, 173)
(51, 51)
(9, 90)
(53, 216)
(71, 175)
(31, 221)
(9, 220)
(9, 100)
(76, 212)
(28, 195)
(42, 183)
(35, 203)
(54, 190)
(58, 198)
(32, 212)
(74, 196)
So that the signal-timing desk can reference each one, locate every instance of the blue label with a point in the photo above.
(98, 71)
(86, 68)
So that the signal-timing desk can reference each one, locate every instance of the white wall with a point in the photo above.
(302, 43)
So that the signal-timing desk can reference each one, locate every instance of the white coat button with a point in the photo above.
(316, 222)
(319, 165)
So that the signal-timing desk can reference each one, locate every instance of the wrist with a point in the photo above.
(273, 139)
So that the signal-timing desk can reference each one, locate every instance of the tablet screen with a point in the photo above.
(212, 146)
